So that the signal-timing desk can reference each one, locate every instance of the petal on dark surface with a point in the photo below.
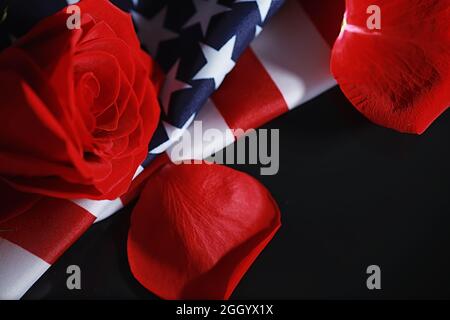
(197, 229)
(398, 76)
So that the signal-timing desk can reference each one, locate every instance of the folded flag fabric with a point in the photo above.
(280, 70)
(196, 44)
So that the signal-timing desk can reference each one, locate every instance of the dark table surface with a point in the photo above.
(352, 194)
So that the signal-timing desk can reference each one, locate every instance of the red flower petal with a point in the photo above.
(399, 76)
(197, 229)
(18, 202)
(118, 20)
(84, 93)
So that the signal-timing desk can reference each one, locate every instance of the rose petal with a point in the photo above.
(71, 161)
(399, 76)
(109, 120)
(19, 62)
(120, 146)
(117, 48)
(21, 106)
(53, 151)
(98, 31)
(55, 39)
(18, 202)
(118, 184)
(106, 69)
(87, 90)
(117, 19)
(197, 229)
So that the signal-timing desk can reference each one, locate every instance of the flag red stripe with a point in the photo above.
(49, 228)
(248, 98)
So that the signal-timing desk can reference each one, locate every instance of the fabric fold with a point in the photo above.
(244, 110)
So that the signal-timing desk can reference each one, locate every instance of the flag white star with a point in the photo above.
(218, 64)
(258, 30)
(173, 133)
(152, 31)
(171, 84)
(263, 7)
(204, 11)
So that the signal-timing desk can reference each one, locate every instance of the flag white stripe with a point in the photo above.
(102, 209)
(194, 146)
(295, 55)
(19, 270)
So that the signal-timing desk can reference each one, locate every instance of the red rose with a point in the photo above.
(77, 107)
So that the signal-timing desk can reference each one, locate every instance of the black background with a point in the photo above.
(352, 194)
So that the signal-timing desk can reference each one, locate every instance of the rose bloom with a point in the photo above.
(77, 107)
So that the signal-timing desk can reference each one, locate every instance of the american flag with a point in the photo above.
(221, 68)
